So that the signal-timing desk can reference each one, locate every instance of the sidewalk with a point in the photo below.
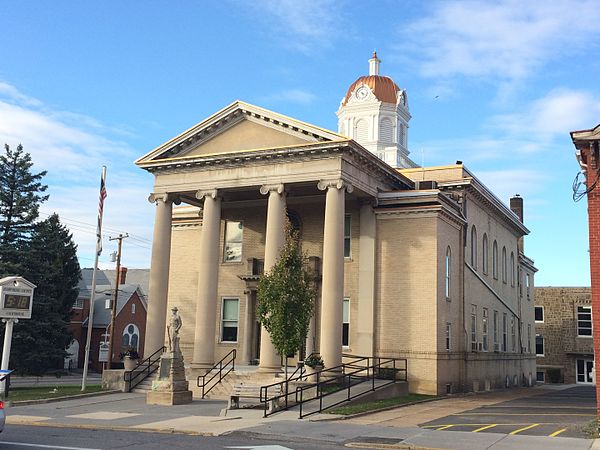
(390, 429)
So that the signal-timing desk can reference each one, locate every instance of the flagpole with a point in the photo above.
(93, 290)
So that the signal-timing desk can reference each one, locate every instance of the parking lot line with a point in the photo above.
(484, 428)
(523, 414)
(444, 427)
(524, 428)
(557, 432)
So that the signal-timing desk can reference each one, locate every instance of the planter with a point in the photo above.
(311, 372)
(129, 363)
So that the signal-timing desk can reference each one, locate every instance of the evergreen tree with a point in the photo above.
(21, 193)
(39, 343)
(286, 297)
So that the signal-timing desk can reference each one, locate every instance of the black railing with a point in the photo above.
(144, 369)
(281, 389)
(220, 369)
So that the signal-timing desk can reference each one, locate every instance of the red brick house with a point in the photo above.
(130, 322)
(587, 143)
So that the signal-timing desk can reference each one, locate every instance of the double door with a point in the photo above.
(584, 368)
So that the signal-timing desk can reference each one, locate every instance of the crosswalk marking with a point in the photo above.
(524, 428)
(557, 432)
(484, 428)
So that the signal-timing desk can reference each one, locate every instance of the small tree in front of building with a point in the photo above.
(286, 297)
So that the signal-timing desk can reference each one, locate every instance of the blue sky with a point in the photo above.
(498, 85)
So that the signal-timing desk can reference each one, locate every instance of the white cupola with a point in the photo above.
(374, 112)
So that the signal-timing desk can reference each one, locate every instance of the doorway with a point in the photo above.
(584, 368)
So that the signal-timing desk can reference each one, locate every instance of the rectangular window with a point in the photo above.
(539, 314)
(528, 338)
(484, 329)
(539, 345)
(539, 376)
(78, 303)
(232, 248)
(504, 335)
(513, 339)
(584, 321)
(133, 308)
(229, 319)
(528, 286)
(448, 336)
(346, 323)
(473, 328)
(347, 236)
(496, 344)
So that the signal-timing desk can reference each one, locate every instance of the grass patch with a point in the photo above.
(591, 430)
(44, 392)
(377, 404)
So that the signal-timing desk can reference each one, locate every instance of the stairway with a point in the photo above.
(145, 385)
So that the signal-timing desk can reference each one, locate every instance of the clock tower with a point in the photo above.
(374, 112)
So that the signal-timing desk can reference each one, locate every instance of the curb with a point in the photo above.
(374, 411)
(15, 404)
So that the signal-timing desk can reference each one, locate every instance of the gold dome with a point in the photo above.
(383, 88)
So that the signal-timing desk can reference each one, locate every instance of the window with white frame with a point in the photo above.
(496, 344)
(528, 286)
(131, 337)
(584, 321)
(133, 308)
(473, 328)
(512, 269)
(484, 254)
(513, 338)
(230, 311)
(528, 338)
(448, 336)
(346, 323)
(538, 312)
(504, 268)
(448, 271)
(232, 248)
(504, 333)
(539, 376)
(484, 329)
(474, 247)
(539, 345)
(495, 260)
(347, 236)
(78, 303)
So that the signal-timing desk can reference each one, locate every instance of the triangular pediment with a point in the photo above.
(240, 127)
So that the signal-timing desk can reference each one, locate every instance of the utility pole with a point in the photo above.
(113, 313)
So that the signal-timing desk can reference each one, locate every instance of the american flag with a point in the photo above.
(101, 210)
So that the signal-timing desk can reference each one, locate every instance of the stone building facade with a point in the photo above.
(563, 329)
(425, 264)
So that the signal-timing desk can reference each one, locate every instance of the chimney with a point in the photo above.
(516, 206)
(122, 275)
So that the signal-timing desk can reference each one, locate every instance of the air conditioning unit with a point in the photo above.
(425, 185)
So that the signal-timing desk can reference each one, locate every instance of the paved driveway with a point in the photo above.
(550, 413)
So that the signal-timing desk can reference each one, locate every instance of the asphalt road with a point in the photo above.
(16, 437)
(555, 413)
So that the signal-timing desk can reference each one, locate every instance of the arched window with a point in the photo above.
(495, 260)
(473, 247)
(504, 271)
(485, 254)
(448, 271)
(512, 268)
(131, 337)
(361, 130)
(386, 130)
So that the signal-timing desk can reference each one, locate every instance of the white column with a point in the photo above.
(274, 239)
(8, 332)
(332, 288)
(247, 349)
(159, 274)
(208, 270)
(364, 344)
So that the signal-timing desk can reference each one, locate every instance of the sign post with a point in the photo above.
(16, 301)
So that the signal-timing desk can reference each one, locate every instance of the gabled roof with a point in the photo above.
(232, 115)
(12, 279)
(101, 313)
(586, 135)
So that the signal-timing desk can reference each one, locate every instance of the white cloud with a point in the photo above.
(72, 148)
(508, 182)
(504, 40)
(299, 96)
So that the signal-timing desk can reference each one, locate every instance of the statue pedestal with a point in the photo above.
(170, 387)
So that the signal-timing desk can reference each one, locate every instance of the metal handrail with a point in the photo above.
(150, 369)
(283, 390)
(221, 368)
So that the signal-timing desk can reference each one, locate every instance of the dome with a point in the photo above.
(384, 88)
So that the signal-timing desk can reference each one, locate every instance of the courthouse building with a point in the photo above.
(425, 264)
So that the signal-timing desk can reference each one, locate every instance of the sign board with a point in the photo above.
(4, 374)
(16, 298)
(103, 352)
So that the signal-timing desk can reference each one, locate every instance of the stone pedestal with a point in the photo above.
(170, 387)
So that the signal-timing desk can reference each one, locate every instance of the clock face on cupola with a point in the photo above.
(374, 112)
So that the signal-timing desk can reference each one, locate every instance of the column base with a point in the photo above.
(168, 398)
(269, 369)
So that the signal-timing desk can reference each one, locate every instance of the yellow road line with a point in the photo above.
(557, 432)
(444, 427)
(484, 428)
(525, 428)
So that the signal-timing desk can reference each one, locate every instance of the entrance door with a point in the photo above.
(584, 371)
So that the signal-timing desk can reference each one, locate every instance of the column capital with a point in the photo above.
(338, 183)
(277, 187)
(164, 197)
(212, 193)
